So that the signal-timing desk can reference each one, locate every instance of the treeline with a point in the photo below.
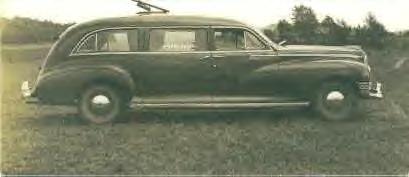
(26, 30)
(305, 28)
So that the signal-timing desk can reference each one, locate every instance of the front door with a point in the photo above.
(245, 65)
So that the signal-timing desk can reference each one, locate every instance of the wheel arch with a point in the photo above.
(345, 79)
(124, 85)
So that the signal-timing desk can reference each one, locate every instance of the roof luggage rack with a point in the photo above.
(148, 8)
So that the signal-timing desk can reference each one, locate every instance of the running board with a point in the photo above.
(218, 105)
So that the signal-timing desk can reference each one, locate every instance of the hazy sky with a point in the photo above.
(393, 13)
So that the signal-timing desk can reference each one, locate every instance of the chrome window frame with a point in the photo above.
(96, 42)
(74, 50)
(177, 28)
(249, 30)
(260, 41)
(85, 40)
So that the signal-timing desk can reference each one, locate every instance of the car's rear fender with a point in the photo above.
(63, 85)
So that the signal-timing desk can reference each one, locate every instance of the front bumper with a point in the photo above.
(27, 94)
(370, 89)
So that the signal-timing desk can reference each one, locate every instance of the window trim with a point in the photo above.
(210, 40)
(245, 42)
(125, 32)
(245, 29)
(148, 34)
(96, 42)
(85, 40)
(80, 43)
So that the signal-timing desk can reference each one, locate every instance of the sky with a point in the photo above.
(259, 13)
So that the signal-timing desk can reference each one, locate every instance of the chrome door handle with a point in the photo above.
(217, 56)
(205, 57)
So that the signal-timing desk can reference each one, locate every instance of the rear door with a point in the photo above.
(244, 64)
(174, 61)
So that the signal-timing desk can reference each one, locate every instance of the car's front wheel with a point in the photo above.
(335, 101)
(101, 104)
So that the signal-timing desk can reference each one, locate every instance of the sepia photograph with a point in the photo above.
(204, 88)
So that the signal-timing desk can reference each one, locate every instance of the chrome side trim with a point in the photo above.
(267, 55)
(212, 99)
(172, 52)
(218, 105)
(320, 55)
(241, 51)
(343, 61)
(134, 53)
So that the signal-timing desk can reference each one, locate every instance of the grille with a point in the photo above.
(364, 85)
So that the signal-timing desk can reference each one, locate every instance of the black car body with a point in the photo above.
(148, 56)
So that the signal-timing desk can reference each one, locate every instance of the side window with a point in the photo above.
(253, 43)
(117, 41)
(229, 39)
(236, 39)
(111, 41)
(177, 40)
(88, 46)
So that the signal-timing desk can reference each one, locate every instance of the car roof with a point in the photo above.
(159, 20)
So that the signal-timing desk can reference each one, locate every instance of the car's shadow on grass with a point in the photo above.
(186, 117)
(215, 116)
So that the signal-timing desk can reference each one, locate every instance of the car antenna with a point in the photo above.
(148, 8)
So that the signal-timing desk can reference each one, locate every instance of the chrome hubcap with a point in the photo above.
(100, 104)
(335, 100)
(335, 96)
(100, 100)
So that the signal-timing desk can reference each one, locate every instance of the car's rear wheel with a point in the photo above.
(101, 104)
(335, 101)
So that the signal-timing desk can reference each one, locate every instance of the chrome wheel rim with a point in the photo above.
(335, 96)
(335, 100)
(100, 105)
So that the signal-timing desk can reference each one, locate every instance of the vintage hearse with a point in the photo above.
(169, 61)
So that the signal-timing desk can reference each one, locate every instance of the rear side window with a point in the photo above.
(110, 41)
(88, 46)
(177, 40)
(113, 41)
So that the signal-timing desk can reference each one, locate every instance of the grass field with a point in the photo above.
(50, 140)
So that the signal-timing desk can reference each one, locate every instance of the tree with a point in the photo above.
(375, 33)
(333, 33)
(305, 24)
(26, 30)
(304, 28)
(271, 32)
(343, 33)
(285, 31)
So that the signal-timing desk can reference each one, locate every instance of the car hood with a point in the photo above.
(317, 49)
